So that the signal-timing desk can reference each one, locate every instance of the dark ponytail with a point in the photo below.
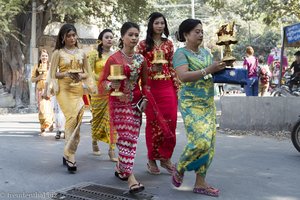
(100, 39)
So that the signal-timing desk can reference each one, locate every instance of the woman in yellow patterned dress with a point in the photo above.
(194, 67)
(99, 103)
(39, 74)
(69, 68)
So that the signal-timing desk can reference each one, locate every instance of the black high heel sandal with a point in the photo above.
(70, 165)
(64, 161)
(57, 136)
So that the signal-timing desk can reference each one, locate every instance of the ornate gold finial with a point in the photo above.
(226, 37)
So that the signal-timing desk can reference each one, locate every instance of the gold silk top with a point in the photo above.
(40, 69)
(63, 61)
(71, 62)
(97, 64)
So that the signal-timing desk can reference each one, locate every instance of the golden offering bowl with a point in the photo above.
(75, 71)
(116, 74)
(159, 58)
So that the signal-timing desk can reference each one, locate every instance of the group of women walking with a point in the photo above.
(117, 119)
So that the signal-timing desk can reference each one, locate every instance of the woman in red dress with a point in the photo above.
(162, 112)
(126, 117)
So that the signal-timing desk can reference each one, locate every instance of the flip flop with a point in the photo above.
(177, 178)
(153, 169)
(169, 168)
(118, 174)
(210, 191)
(136, 188)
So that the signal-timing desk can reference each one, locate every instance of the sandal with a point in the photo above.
(209, 191)
(96, 150)
(177, 177)
(118, 175)
(57, 136)
(71, 166)
(153, 169)
(168, 167)
(112, 155)
(136, 188)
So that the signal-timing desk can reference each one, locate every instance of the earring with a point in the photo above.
(98, 42)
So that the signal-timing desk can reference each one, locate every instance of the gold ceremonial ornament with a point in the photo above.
(226, 37)
(116, 74)
(75, 69)
(159, 58)
(42, 69)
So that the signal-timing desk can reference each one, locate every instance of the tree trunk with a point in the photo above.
(17, 54)
(15, 75)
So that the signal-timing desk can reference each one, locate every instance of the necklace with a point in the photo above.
(70, 51)
(127, 58)
(198, 53)
(157, 42)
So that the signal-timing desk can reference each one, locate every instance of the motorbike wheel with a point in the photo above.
(295, 136)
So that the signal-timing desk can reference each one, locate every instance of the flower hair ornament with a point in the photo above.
(98, 42)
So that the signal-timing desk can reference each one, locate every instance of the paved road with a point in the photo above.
(244, 168)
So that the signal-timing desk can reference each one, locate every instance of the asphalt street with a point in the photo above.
(244, 167)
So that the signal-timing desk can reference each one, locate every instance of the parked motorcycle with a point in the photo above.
(295, 136)
(284, 90)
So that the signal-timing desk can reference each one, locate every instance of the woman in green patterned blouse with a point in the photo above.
(194, 66)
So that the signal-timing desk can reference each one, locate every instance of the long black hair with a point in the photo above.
(185, 27)
(65, 29)
(125, 27)
(150, 31)
(100, 37)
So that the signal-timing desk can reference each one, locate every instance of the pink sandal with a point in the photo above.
(177, 178)
(153, 169)
(209, 191)
(169, 168)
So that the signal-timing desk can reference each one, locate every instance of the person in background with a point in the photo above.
(251, 64)
(39, 74)
(161, 112)
(264, 75)
(194, 66)
(58, 114)
(126, 110)
(99, 103)
(295, 67)
(69, 69)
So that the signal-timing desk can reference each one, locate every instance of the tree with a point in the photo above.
(15, 29)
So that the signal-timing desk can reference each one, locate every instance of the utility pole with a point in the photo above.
(193, 8)
(33, 55)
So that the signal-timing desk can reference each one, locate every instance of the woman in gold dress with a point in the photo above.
(69, 69)
(39, 74)
(99, 103)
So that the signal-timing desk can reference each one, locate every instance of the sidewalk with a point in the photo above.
(244, 167)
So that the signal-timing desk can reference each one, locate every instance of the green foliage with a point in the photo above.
(9, 9)
(103, 13)
(261, 43)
